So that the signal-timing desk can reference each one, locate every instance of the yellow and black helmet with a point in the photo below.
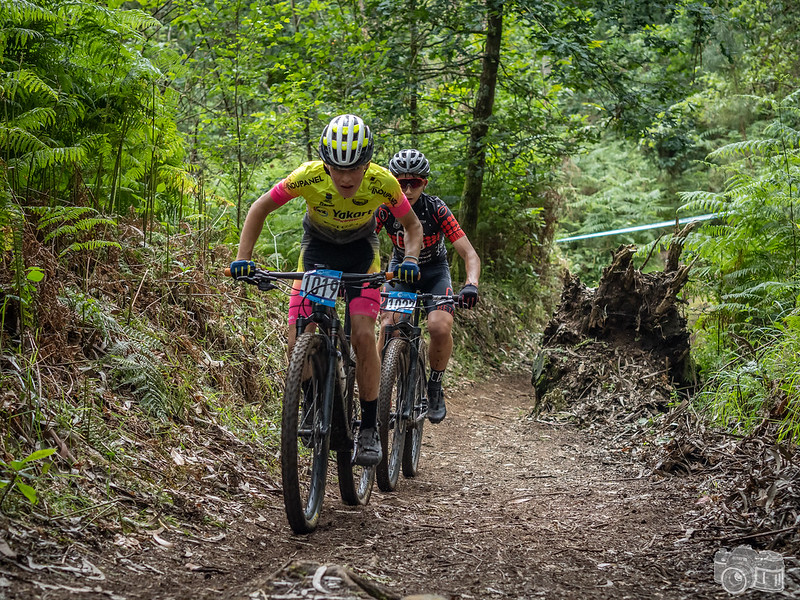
(346, 142)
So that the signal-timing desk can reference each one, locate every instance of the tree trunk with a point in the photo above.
(476, 151)
(413, 108)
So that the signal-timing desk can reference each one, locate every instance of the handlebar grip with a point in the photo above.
(227, 271)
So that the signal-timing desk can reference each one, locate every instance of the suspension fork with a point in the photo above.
(413, 356)
(329, 325)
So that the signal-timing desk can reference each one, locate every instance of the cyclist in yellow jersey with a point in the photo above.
(342, 191)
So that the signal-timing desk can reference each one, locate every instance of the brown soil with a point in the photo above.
(504, 507)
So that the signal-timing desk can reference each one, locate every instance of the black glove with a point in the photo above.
(468, 296)
(242, 268)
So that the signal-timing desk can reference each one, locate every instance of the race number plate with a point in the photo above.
(402, 302)
(321, 286)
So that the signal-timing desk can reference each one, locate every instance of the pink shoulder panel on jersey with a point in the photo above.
(280, 194)
(402, 207)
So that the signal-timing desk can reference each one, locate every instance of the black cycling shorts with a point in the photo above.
(360, 256)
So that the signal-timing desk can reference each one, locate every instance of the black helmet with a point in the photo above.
(346, 142)
(410, 161)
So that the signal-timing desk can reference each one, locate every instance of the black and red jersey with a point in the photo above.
(437, 221)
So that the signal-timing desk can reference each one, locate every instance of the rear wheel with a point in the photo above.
(394, 381)
(355, 482)
(304, 449)
(413, 443)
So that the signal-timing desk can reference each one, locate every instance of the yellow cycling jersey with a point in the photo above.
(330, 216)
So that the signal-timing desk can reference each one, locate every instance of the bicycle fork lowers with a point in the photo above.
(403, 389)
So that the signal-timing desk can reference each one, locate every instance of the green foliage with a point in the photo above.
(749, 385)
(85, 109)
(15, 471)
(71, 225)
(749, 270)
(752, 252)
(11, 233)
(138, 368)
(132, 355)
(612, 186)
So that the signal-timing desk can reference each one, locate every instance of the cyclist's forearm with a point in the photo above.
(472, 262)
(253, 224)
(473, 271)
(412, 237)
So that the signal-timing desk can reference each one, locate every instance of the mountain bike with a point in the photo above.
(320, 413)
(402, 399)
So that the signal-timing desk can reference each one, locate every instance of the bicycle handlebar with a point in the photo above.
(436, 298)
(376, 278)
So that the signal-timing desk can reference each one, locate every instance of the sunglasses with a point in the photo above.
(414, 183)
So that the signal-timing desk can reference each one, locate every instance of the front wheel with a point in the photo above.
(392, 394)
(413, 443)
(304, 448)
(355, 482)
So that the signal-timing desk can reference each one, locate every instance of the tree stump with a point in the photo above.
(623, 342)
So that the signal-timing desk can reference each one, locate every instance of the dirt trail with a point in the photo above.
(503, 507)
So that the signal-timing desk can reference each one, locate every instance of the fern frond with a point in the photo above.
(177, 178)
(126, 20)
(136, 172)
(20, 36)
(136, 19)
(31, 83)
(82, 225)
(60, 156)
(58, 214)
(18, 140)
(93, 312)
(792, 99)
(141, 370)
(131, 354)
(788, 135)
(36, 118)
(733, 308)
(95, 143)
(91, 245)
(22, 11)
(775, 286)
(758, 147)
(701, 202)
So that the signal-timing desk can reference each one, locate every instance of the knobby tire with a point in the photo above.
(412, 447)
(304, 461)
(394, 380)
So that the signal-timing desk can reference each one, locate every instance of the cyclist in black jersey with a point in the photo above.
(412, 169)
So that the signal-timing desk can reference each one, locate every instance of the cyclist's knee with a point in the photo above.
(361, 338)
(439, 327)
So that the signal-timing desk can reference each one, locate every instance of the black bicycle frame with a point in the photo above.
(409, 330)
(326, 319)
